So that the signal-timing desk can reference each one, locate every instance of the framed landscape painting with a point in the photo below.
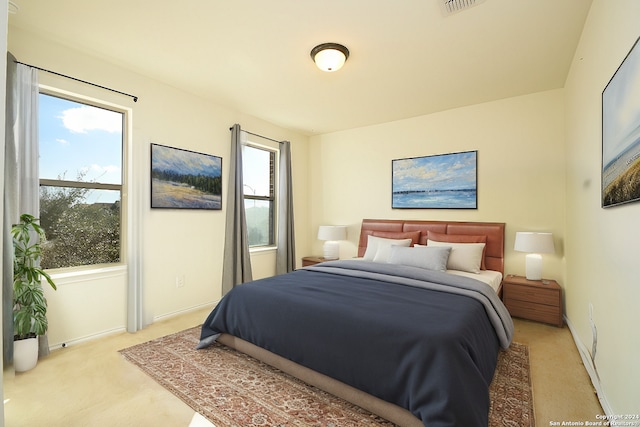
(445, 181)
(621, 133)
(183, 179)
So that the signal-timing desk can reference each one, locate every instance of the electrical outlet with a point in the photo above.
(180, 281)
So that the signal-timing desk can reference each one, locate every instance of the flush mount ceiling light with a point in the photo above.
(329, 57)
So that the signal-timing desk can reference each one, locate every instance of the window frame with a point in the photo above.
(122, 187)
(274, 158)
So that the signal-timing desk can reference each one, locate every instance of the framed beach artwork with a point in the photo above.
(444, 181)
(621, 133)
(183, 179)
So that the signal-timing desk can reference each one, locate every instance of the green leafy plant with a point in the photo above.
(29, 303)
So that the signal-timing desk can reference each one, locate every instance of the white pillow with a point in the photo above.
(430, 258)
(463, 256)
(378, 247)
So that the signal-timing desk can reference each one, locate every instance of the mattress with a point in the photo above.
(490, 277)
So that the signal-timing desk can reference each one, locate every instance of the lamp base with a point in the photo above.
(331, 250)
(533, 266)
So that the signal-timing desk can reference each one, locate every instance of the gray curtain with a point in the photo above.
(236, 265)
(285, 255)
(21, 182)
(8, 215)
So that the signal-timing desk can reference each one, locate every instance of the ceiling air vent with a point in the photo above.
(449, 7)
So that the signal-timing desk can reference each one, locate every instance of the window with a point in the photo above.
(80, 182)
(258, 172)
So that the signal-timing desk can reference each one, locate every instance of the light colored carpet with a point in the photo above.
(200, 421)
(229, 388)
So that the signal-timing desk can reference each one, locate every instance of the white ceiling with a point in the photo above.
(407, 59)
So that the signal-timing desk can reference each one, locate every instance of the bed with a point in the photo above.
(412, 343)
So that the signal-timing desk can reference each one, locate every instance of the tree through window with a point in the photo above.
(80, 182)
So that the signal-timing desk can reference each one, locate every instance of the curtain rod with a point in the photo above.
(135, 98)
(255, 134)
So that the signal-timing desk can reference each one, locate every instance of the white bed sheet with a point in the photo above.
(490, 277)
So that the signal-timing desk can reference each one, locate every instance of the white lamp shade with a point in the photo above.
(330, 60)
(535, 244)
(332, 232)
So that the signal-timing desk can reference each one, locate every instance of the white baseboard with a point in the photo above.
(591, 369)
(87, 338)
(185, 311)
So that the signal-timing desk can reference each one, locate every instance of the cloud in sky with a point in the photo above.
(99, 173)
(62, 141)
(443, 172)
(621, 118)
(86, 118)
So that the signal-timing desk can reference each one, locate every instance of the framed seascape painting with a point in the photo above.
(183, 179)
(621, 133)
(444, 181)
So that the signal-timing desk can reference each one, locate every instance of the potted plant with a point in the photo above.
(29, 303)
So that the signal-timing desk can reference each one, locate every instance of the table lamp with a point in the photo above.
(535, 244)
(331, 234)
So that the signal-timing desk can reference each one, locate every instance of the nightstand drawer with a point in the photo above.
(533, 311)
(535, 295)
(533, 299)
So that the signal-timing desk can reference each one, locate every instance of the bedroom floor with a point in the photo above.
(91, 384)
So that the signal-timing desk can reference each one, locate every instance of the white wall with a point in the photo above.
(602, 244)
(187, 243)
(520, 170)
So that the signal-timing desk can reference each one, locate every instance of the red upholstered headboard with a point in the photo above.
(494, 250)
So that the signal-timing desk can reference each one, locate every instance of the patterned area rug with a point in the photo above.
(230, 388)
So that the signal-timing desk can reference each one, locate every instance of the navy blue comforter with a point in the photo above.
(381, 330)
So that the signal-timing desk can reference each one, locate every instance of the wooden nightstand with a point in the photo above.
(539, 300)
(313, 260)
